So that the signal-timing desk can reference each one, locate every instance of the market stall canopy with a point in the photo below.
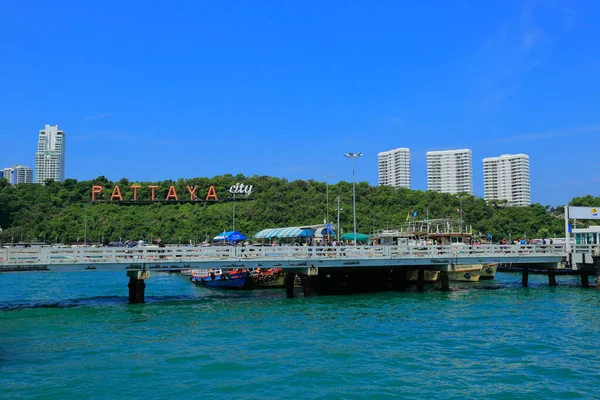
(360, 237)
(280, 233)
(231, 236)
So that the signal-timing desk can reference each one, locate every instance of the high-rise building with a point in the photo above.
(507, 178)
(50, 155)
(18, 174)
(394, 168)
(450, 171)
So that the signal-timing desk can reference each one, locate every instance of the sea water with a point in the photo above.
(73, 336)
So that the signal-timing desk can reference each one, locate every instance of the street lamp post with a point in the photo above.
(327, 197)
(460, 199)
(353, 156)
(338, 219)
(233, 212)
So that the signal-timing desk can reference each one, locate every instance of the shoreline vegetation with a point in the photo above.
(62, 212)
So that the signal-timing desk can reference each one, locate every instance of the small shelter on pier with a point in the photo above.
(301, 233)
(360, 237)
(231, 236)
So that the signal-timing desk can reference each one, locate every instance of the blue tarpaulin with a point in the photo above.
(231, 236)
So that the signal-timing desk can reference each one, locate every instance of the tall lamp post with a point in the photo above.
(327, 197)
(353, 156)
(337, 230)
(460, 198)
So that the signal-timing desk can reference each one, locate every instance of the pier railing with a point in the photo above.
(187, 254)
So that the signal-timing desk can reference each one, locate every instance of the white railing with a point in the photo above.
(182, 255)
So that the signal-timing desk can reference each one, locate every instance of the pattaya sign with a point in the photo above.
(240, 188)
(116, 195)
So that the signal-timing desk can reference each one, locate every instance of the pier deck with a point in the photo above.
(290, 258)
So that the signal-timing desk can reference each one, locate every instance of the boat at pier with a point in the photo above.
(488, 271)
(235, 279)
(267, 279)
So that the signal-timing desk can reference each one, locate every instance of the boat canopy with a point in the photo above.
(360, 237)
(231, 236)
(290, 232)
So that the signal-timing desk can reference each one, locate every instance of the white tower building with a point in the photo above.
(394, 168)
(18, 174)
(450, 171)
(50, 155)
(507, 178)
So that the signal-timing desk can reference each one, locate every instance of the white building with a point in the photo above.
(394, 168)
(450, 171)
(507, 178)
(18, 174)
(50, 156)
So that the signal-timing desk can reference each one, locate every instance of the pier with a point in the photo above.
(309, 263)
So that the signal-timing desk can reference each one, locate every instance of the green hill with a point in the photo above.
(60, 212)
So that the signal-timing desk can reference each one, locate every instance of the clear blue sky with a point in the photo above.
(162, 90)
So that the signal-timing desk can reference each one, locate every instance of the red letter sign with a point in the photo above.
(192, 192)
(116, 194)
(212, 194)
(172, 193)
(96, 190)
(153, 189)
(135, 189)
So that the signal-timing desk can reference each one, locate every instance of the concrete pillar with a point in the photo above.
(445, 281)
(585, 279)
(137, 286)
(596, 259)
(421, 279)
(525, 278)
(308, 285)
(289, 284)
(398, 280)
(551, 277)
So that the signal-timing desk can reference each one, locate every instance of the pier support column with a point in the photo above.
(525, 278)
(596, 260)
(445, 281)
(308, 285)
(290, 277)
(398, 280)
(137, 286)
(421, 279)
(551, 277)
(585, 280)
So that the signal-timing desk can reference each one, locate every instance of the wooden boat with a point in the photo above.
(429, 276)
(236, 279)
(267, 279)
(488, 271)
(465, 273)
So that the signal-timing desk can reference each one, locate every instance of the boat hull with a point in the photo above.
(269, 281)
(464, 273)
(488, 271)
(224, 281)
(429, 276)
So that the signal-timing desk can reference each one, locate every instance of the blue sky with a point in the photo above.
(162, 90)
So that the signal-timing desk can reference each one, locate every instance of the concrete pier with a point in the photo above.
(445, 281)
(525, 277)
(585, 279)
(421, 279)
(551, 277)
(290, 277)
(137, 286)
(596, 261)
(398, 277)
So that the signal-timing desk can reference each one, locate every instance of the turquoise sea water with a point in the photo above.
(73, 336)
